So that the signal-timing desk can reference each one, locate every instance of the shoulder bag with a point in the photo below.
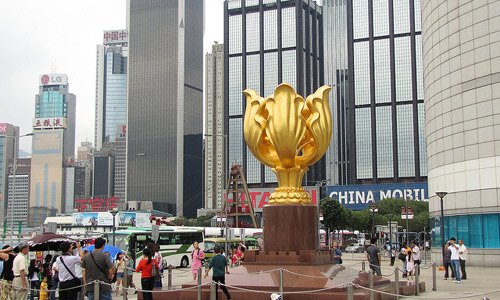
(72, 283)
(113, 280)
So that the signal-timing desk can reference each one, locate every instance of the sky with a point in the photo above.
(60, 36)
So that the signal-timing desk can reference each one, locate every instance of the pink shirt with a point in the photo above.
(198, 255)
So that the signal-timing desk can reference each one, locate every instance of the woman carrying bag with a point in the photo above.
(147, 266)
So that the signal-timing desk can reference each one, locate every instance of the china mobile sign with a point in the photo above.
(53, 79)
(260, 196)
(359, 197)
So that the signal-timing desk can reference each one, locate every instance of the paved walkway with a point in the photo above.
(479, 280)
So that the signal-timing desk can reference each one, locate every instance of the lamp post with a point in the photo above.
(441, 196)
(114, 211)
(224, 136)
(374, 209)
(390, 229)
(10, 204)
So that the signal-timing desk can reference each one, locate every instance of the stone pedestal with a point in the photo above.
(290, 228)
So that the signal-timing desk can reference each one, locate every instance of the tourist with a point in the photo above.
(33, 272)
(98, 266)
(410, 266)
(20, 269)
(69, 283)
(197, 257)
(447, 262)
(120, 271)
(54, 271)
(7, 274)
(219, 264)
(44, 289)
(130, 272)
(145, 266)
(462, 256)
(337, 254)
(455, 261)
(373, 257)
(415, 253)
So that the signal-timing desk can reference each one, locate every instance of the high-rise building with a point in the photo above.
(9, 142)
(120, 184)
(111, 86)
(84, 154)
(165, 104)
(53, 144)
(215, 140)
(103, 176)
(267, 43)
(19, 192)
(374, 60)
(462, 103)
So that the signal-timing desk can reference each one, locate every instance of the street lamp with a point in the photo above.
(441, 196)
(114, 211)
(14, 169)
(373, 209)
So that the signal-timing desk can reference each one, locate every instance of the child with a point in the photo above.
(44, 293)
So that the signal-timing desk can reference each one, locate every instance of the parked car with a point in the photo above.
(359, 248)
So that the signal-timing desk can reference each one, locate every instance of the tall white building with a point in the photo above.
(19, 193)
(215, 140)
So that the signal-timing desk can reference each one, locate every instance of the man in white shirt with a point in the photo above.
(455, 261)
(415, 253)
(462, 255)
(20, 269)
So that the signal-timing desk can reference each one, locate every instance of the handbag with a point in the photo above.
(401, 256)
(72, 283)
(155, 272)
(112, 280)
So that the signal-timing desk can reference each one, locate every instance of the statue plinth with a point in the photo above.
(290, 227)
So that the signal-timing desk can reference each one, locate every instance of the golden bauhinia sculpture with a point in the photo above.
(288, 134)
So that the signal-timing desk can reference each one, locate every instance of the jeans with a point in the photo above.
(455, 265)
(376, 269)
(102, 295)
(446, 266)
(147, 284)
(462, 267)
(55, 285)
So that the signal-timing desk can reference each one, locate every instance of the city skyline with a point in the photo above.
(68, 49)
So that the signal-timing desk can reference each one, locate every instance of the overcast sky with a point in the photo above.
(39, 37)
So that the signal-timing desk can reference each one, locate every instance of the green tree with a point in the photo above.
(334, 214)
(204, 221)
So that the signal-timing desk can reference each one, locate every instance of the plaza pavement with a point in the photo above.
(479, 280)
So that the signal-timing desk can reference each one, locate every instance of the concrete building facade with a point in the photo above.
(461, 51)
(19, 193)
(215, 140)
(165, 104)
(8, 138)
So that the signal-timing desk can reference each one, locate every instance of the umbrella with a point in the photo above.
(48, 241)
(113, 251)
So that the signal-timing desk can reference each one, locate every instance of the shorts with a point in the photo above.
(119, 275)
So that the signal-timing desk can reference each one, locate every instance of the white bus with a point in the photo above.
(175, 244)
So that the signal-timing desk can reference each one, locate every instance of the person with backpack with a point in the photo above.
(197, 257)
(98, 266)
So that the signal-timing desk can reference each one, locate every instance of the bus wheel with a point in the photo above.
(184, 262)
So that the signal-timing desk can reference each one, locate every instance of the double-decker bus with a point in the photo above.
(176, 244)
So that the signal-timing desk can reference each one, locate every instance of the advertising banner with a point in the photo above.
(260, 196)
(86, 219)
(53, 79)
(359, 197)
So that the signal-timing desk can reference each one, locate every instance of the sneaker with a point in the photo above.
(446, 278)
(455, 281)
(458, 282)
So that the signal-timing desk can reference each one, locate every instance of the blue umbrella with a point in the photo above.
(113, 251)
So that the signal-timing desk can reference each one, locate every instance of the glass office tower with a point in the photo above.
(374, 58)
(266, 43)
(111, 87)
(165, 104)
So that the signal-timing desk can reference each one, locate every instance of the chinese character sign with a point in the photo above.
(115, 37)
